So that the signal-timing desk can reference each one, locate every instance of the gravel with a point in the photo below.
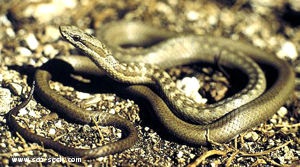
(29, 37)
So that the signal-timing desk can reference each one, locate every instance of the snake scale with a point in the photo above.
(219, 122)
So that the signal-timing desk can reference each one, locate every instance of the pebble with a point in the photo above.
(270, 133)
(10, 32)
(31, 41)
(82, 95)
(52, 33)
(32, 113)
(45, 12)
(23, 51)
(162, 7)
(5, 99)
(4, 21)
(227, 18)
(3, 145)
(192, 15)
(119, 135)
(250, 30)
(86, 128)
(16, 88)
(112, 111)
(265, 3)
(295, 4)
(23, 111)
(146, 129)
(58, 124)
(180, 154)
(288, 50)
(190, 86)
(52, 132)
(252, 136)
(50, 51)
(282, 112)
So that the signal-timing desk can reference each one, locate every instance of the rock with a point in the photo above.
(5, 99)
(288, 50)
(31, 41)
(282, 112)
(190, 86)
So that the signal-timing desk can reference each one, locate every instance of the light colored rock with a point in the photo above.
(47, 11)
(192, 15)
(50, 51)
(16, 88)
(295, 4)
(52, 132)
(23, 51)
(282, 112)
(288, 50)
(31, 41)
(5, 99)
(190, 86)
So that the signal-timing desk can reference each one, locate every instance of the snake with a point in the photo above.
(145, 66)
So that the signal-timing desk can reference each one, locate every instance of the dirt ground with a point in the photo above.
(29, 37)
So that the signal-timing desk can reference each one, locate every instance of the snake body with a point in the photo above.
(191, 48)
(253, 109)
(185, 49)
(78, 114)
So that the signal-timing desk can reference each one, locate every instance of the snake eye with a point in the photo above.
(76, 38)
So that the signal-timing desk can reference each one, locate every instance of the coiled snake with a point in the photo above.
(221, 121)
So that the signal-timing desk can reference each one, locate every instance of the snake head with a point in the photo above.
(85, 42)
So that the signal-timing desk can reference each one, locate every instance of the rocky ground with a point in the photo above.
(29, 37)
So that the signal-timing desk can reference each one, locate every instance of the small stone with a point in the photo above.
(82, 95)
(86, 128)
(4, 21)
(5, 99)
(10, 32)
(1, 79)
(32, 113)
(52, 33)
(227, 18)
(16, 88)
(58, 124)
(179, 154)
(250, 30)
(252, 136)
(147, 129)
(274, 121)
(282, 112)
(213, 20)
(45, 12)
(3, 145)
(192, 15)
(295, 4)
(23, 51)
(192, 156)
(52, 132)
(265, 3)
(181, 160)
(50, 51)
(190, 86)
(31, 41)
(112, 111)
(22, 112)
(119, 135)
(270, 133)
(288, 50)
(164, 8)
